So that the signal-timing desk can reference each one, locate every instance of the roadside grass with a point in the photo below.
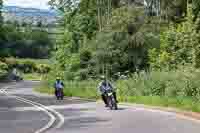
(32, 76)
(3, 75)
(84, 89)
(37, 61)
(184, 103)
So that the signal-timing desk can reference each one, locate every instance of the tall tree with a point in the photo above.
(196, 8)
(173, 8)
(1, 17)
(2, 35)
(152, 7)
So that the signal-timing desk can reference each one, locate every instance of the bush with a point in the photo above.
(85, 57)
(42, 68)
(11, 62)
(27, 65)
(169, 84)
(83, 74)
(3, 67)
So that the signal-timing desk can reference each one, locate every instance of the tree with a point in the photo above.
(1, 17)
(152, 7)
(39, 24)
(64, 5)
(196, 8)
(173, 9)
(24, 24)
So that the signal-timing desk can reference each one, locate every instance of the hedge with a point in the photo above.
(27, 66)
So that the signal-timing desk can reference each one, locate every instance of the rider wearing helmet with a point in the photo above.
(58, 85)
(103, 86)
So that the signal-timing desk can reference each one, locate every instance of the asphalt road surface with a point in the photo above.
(24, 111)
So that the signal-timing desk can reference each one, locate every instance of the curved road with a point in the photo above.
(17, 115)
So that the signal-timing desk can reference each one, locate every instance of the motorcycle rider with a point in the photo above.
(58, 85)
(103, 86)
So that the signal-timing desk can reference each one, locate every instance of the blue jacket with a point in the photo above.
(59, 85)
(104, 85)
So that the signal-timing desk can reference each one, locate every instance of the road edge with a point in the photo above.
(188, 115)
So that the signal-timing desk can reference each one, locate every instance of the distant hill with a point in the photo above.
(29, 15)
(29, 11)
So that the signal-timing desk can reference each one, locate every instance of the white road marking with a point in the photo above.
(74, 106)
(52, 118)
(43, 108)
(2, 91)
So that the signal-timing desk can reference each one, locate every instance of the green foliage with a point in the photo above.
(179, 45)
(33, 76)
(3, 68)
(196, 8)
(169, 84)
(24, 43)
(42, 68)
(119, 52)
(1, 17)
(27, 65)
(80, 25)
(196, 45)
(129, 40)
(124, 16)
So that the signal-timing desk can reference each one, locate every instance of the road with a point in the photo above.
(24, 111)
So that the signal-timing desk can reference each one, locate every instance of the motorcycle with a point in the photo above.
(59, 94)
(112, 103)
(18, 78)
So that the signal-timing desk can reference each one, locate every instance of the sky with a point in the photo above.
(40, 4)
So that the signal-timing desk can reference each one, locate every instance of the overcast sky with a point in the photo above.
(41, 4)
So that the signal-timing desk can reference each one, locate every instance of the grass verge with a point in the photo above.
(184, 103)
(32, 76)
(73, 89)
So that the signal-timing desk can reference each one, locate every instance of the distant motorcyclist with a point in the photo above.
(15, 75)
(58, 85)
(105, 85)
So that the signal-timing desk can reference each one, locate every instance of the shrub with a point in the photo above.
(42, 68)
(85, 89)
(27, 65)
(3, 67)
(169, 84)
(85, 57)
(11, 62)
(83, 74)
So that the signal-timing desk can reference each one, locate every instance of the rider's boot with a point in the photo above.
(115, 96)
(104, 100)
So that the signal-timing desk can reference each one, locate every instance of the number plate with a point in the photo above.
(109, 94)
